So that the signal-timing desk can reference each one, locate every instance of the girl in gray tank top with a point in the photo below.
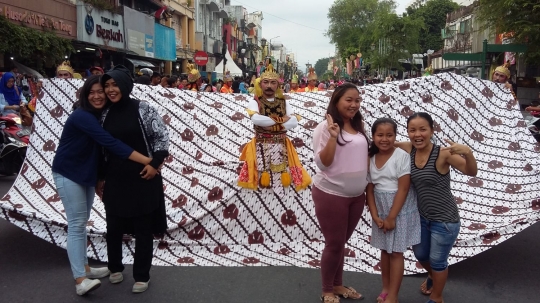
(439, 215)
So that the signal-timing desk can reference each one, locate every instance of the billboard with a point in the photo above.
(165, 43)
(139, 28)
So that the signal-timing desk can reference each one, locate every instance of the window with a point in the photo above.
(465, 26)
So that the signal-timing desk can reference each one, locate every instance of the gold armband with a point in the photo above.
(251, 112)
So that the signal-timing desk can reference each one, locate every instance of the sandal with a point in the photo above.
(330, 299)
(382, 297)
(349, 293)
(425, 287)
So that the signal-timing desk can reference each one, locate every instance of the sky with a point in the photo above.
(300, 25)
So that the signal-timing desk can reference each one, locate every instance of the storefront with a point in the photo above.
(101, 39)
(55, 16)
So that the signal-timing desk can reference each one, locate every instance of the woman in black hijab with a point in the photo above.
(133, 193)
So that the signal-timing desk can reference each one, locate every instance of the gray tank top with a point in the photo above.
(435, 199)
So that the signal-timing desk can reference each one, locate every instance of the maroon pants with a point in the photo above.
(338, 217)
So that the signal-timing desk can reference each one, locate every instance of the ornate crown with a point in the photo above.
(294, 79)
(504, 69)
(312, 75)
(194, 74)
(65, 66)
(270, 75)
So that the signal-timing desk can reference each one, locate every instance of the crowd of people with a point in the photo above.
(406, 185)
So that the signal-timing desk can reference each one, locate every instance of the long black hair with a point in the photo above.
(83, 101)
(422, 115)
(373, 149)
(357, 121)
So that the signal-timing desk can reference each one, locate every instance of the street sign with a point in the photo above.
(200, 58)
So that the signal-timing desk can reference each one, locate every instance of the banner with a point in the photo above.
(165, 41)
(212, 222)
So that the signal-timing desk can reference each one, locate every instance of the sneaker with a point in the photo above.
(139, 287)
(86, 286)
(116, 277)
(97, 273)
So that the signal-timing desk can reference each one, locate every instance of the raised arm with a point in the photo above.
(461, 158)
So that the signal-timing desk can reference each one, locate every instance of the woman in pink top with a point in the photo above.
(340, 147)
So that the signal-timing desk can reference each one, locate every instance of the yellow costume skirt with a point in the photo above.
(249, 175)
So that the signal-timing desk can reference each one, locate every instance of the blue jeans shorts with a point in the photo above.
(437, 239)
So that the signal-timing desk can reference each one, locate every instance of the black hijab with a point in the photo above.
(121, 76)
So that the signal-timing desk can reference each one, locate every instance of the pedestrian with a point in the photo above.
(439, 215)
(340, 147)
(10, 95)
(132, 193)
(165, 81)
(392, 204)
(74, 170)
(155, 78)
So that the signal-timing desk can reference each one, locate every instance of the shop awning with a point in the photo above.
(140, 63)
(222, 14)
(23, 69)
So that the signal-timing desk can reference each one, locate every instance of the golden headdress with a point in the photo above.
(193, 73)
(312, 75)
(77, 76)
(65, 66)
(268, 75)
(428, 71)
(503, 69)
(294, 79)
(227, 76)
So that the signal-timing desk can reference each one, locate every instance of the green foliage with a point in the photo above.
(32, 45)
(520, 17)
(103, 5)
(321, 66)
(433, 14)
(358, 25)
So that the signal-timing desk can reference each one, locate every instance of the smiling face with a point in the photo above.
(420, 132)
(96, 97)
(384, 137)
(349, 104)
(113, 91)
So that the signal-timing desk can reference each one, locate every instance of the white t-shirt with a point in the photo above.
(386, 177)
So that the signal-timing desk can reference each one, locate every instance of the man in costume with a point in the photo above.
(194, 78)
(227, 87)
(294, 85)
(502, 75)
(270, 158)
(312, 81)
(64, 71)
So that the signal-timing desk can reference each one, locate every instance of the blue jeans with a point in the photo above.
(77, 200)
(437, 239)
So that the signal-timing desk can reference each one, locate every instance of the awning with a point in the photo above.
(140, 63)
(223, 14)
(27, 70)
(212, 6)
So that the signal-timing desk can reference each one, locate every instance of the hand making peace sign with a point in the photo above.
(456, 148)
(333, 128)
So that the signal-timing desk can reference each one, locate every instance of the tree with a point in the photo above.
(519, 18)
(433, 13)
(321, 66)
(360, 25)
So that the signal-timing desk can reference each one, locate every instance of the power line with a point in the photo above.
(280, 17)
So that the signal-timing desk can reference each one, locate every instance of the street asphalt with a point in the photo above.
(32, 270)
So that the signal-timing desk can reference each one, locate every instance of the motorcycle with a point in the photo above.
(13, 145)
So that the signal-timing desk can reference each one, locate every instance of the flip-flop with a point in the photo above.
(429, 285)
(382, 297)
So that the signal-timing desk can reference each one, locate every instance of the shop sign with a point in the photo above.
(38, 21)
(140, 32)
(99, 27)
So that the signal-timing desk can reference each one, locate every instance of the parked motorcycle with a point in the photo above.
(13, 145)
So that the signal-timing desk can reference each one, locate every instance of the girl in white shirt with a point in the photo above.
(392, 204)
